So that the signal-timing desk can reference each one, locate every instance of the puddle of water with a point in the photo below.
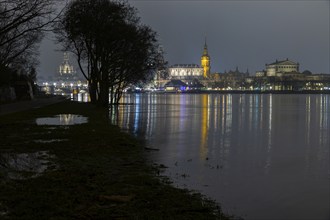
(63, 119)
(49, 141)
(26, 165)
(3, 210)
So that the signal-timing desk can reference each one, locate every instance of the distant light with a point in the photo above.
(182, 88)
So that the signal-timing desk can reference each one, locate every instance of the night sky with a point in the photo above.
(242, 33)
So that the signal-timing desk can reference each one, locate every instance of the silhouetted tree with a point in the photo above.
(137, 61)
(162, 65)
(113, 49)
(22, 23)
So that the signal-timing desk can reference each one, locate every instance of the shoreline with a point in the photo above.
(305, 92)
(94, 171)
(267, 92)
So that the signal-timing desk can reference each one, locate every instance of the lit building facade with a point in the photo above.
(279, 68)
(186, 72)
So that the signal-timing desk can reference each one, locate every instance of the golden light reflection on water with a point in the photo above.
(204, 126)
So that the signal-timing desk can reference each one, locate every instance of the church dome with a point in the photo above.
(307, 72)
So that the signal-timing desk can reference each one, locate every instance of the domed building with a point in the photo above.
(307, 73)
(279, 68)
(66, 71)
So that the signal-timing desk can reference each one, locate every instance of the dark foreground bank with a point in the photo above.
(84, 171)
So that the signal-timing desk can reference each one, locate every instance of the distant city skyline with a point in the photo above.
(244, 34)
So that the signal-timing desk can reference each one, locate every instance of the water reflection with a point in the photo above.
(40, 141)
(62, 119)
(82, 97)
(25, 165)
(204, 126)
(261, 156)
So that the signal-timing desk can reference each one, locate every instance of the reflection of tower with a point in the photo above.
(205, 62)
(204, 126)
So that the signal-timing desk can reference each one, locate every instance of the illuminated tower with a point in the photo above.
(205, 62)
(66, 67)
(66, 70)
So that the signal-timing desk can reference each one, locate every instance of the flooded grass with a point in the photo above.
(98, 172)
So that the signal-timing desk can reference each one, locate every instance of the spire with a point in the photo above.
(205, 53)
(66, 57)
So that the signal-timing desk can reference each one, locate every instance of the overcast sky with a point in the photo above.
(242, 33)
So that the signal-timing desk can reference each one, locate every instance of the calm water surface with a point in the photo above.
(260, 156)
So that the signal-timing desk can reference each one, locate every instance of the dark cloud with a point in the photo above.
(246, 34)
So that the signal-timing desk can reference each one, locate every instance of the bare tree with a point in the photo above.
(22, 23)
(113, 49)
(136, 61)
(83, 29)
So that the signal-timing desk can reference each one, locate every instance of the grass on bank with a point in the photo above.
(97, 172)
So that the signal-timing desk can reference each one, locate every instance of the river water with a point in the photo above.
(261, 156)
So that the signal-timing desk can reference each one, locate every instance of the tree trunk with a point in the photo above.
(92, 90)
(119, 93)
(104, 94)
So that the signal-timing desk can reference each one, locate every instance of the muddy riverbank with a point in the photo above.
(66, 161)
